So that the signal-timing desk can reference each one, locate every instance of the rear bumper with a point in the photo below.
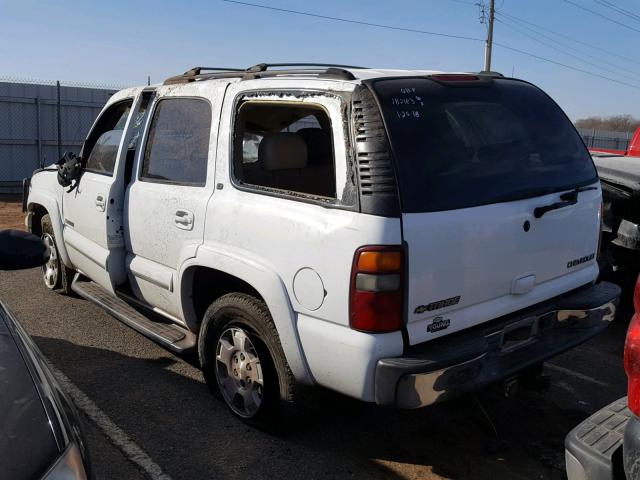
(464, 361)
(593, 449)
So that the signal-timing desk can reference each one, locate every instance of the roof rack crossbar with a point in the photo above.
(262, 67)
(329, 70)
(198, 70)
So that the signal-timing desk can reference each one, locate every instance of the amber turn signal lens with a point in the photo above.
(376, 262)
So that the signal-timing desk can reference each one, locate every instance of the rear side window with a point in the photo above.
(464, 146)
(285, 147)
(177, 148)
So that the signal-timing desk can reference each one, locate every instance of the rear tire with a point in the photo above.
(244, 364)
(55, 274)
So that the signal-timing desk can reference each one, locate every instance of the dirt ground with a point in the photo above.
(11, 215)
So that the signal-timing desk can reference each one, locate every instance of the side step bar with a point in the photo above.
(172, 336)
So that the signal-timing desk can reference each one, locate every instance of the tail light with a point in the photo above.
(632, 355)
(377, 282)
(454, 77)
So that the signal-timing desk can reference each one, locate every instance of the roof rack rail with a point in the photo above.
(197, 72)
(263, 70)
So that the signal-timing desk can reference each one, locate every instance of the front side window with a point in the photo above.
(287, 147)
(101, 148)
(177, 148)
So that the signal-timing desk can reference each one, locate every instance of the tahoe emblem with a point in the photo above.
(578, 261)
(439, 323)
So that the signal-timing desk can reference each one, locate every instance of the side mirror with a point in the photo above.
(69, 170)
(20, 250)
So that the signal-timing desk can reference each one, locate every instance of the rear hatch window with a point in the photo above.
(471, 144)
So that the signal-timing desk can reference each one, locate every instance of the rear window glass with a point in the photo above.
(464, 146)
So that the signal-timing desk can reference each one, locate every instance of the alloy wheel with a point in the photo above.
(239, 372)
(50, 270)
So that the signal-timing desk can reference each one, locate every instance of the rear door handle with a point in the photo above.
(183, 219)
(100, 203)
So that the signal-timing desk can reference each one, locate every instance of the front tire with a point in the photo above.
(55, 274)
(244, 364)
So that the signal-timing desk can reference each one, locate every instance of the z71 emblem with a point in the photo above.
(439, 323)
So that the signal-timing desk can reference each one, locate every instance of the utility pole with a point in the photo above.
(489, 45)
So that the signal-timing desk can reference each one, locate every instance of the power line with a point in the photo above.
(619, 10)
(358, 22)
(465, 2)
(424, 32)
(586, 72)
(590, 45)
(475, 4)
(580, 53)
(598, 14)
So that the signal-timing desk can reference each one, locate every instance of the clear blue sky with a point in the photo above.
(121, 42)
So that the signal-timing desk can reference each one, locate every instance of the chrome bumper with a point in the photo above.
(488, 353)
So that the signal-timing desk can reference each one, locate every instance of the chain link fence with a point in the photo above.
(609, 140)
(40, 120)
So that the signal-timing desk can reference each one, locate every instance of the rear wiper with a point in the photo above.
(568, 199)
(573, 194)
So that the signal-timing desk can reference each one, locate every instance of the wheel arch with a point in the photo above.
(229, 272)
(36, 211)
(39, 205)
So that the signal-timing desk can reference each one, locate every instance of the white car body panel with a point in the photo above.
(156, 244)
(46, 192)
(348, 365)
(93, 213)
(478, 254)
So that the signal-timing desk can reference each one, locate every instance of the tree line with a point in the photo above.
(616, 123)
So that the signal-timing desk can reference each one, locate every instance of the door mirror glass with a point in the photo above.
(20, 250)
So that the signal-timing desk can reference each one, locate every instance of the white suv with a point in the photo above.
(397, 236)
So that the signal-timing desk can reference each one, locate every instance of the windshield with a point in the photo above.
(463, 146)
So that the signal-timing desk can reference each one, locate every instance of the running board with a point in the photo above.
(172, 336)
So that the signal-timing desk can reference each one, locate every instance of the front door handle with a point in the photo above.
(183, 219)
(100, 203)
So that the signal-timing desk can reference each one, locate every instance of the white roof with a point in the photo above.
(363, 74)
(359, 74)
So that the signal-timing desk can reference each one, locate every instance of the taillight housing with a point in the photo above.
(632, 355)
(376, 302)
(598, 252)
(454, 77)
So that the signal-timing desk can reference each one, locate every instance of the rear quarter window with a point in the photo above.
(464, 146)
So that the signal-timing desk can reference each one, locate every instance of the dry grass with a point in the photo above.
(11, 215)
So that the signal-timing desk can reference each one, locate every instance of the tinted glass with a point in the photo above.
(463, 146)
(107, 130)
(103, 156)
(178, 145)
